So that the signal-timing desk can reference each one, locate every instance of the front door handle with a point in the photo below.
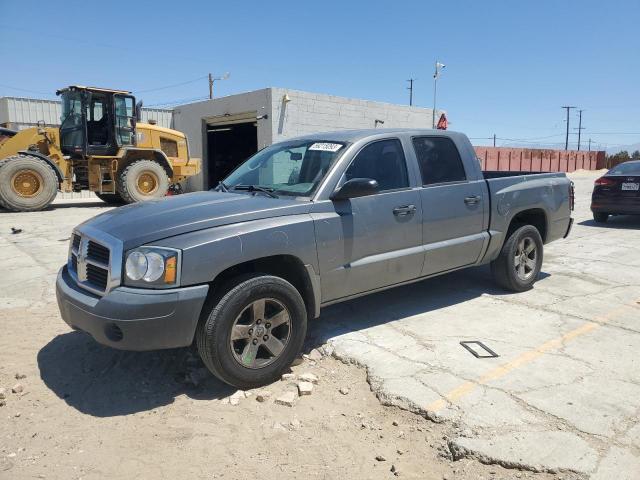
(404, 210)
(472, 200)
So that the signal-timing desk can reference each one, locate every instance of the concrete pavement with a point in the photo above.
(564, 394)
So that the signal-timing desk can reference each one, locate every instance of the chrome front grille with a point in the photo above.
(90, 263)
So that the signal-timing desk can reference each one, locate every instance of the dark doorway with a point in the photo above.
(227, 147)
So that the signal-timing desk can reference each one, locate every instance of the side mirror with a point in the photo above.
(356, 187)
(139, 111)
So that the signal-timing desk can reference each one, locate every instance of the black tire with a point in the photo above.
(110, 198)
(600, 217)
(128, 185)
(38, 190)
(505, 271)
(214, 331)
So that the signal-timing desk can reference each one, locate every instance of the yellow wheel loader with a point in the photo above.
(99, 146)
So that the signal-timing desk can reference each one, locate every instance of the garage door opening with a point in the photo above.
(228, 145)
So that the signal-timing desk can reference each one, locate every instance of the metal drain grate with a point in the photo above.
(477, 351)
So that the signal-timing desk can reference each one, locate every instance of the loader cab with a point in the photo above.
(96, 121)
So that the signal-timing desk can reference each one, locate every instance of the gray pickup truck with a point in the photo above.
(300, 225)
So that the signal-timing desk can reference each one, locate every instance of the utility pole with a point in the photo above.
(589, 144)
(494, 139)
(566, 142)
(580, 127)
(410, 88)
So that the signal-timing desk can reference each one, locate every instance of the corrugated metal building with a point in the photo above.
(18, 113)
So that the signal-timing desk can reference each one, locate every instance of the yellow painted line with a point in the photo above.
(524, 359)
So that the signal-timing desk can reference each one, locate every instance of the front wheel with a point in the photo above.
(27, 183)
(254, 332)
(520, 260)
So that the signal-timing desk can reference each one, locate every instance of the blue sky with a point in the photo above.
(510, 64)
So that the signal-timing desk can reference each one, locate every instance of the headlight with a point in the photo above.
(152, 267)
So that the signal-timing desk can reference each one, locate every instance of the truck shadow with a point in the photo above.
(418, 298)
(617, 221)
(104, 382)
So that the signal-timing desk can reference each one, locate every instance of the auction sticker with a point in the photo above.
(326, 147)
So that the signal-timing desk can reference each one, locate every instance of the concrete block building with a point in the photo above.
(225, 131)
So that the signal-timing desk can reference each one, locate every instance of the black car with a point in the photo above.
(617, 192)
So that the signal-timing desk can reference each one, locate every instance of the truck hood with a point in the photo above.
(153, 220)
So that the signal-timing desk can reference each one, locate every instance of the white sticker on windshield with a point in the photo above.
(326, 147)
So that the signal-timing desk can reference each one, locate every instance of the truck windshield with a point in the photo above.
(288, 168)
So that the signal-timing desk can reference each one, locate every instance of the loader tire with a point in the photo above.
(27, 184)
(142, 180)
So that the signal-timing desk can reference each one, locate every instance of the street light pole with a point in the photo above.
(436, 75)
(212, 80)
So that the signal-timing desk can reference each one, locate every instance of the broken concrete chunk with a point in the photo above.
(309, 377)
(288, 376)
(18, 388)
(287, 399)
(314, 355)
(263, 395)
(381, 458)
(305, 388)
(344, 391)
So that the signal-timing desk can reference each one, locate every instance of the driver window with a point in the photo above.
(382, 161)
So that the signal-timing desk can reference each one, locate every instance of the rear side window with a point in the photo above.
(382, 161)
(439, 160)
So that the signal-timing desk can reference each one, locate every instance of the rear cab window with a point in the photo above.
(439, 160)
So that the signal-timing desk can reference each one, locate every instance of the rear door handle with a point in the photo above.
(404, 210)
(472, 200)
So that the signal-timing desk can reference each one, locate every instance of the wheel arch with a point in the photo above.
(536, 217)
(287, 267)
(132, 154)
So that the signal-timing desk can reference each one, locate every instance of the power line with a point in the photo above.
(25, 90)
(171, 86)
(177, 102)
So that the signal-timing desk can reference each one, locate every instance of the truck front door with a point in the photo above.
(453, 206)
(374, 241)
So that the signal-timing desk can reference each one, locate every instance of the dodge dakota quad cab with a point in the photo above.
(300, 225)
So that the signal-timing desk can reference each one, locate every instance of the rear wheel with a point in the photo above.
(254, 332)
(520, 260)
(27, 183)
(110, 198)
(600, 217)
(142, 180)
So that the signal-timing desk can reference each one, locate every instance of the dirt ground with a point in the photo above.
(90, 412)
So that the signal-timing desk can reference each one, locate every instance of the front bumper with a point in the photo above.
(132, 318)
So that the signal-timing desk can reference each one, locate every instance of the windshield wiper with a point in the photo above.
(222, 186)
(256, 188)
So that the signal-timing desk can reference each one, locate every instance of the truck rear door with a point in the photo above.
(453, 204)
